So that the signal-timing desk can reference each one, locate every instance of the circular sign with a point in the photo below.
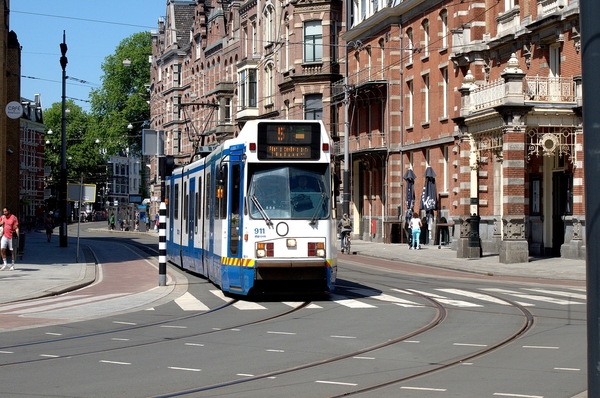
(14, 110)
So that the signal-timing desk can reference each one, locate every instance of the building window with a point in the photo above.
(313, 107)
(254, 38)
(269, 87)
(411, 96)
(508, 5)
(446, 182)
(444, 19)
(269, 28)
(313, 41)
(410, 45)
(426, 98)
(554, 60)
(225, 109)
(248, 92)
(426, 37)
(444, 86)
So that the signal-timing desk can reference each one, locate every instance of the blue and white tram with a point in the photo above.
(256, 213)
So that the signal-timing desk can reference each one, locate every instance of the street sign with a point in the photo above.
(75, 193)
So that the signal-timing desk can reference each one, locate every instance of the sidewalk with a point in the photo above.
(46, 269)
(542, 268)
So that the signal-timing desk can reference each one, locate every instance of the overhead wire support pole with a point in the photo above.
(63, 153)
(589, 14)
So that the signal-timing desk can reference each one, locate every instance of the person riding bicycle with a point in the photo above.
(344, 226)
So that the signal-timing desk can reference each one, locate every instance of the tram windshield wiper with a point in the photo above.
(262, 211)
(313, 219)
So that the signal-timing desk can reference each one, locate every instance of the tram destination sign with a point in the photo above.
(289, 141)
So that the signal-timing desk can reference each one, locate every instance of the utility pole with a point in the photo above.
(62, 190)
(589, 14)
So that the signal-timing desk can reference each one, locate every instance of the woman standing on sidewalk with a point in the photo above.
(415, 226)
(49, 225)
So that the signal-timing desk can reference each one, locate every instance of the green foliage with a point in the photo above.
(123, 98)
(83, 153)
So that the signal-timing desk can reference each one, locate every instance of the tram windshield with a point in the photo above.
(290, 193)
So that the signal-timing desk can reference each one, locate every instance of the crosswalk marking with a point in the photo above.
(43, 308)
(475, 295)
(386, 298)
(445, 300)
(559, 293)
(532, 296)
(188, 302)
(350, 303)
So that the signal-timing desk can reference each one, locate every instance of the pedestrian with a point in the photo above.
(415, 226)
(156, 222)
(112, 221)
(49, 225)
(344, 226)
(10, 224)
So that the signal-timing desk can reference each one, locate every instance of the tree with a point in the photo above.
(83, 153)
(123, 98)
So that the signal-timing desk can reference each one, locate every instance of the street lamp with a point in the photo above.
(63, 154)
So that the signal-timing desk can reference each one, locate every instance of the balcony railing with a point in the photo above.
(362, 142)
(366, 75)
(551, 89)
(535, 88)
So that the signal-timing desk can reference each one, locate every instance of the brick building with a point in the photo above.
(485, 96)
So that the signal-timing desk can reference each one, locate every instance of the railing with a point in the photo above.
(361, 143)
(550, 6)
(488, 95)
(366, 75)
(552, 89)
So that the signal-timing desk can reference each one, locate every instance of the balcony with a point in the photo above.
(549, 89)
(535, 88)
(363, 142)
(547, 7)
(367, 75)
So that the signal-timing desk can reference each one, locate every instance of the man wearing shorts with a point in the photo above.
(10, 224)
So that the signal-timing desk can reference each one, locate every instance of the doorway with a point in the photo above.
(562, 205)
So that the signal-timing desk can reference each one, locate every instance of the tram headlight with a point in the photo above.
(265, 250)
(316, 249)
(291, 243)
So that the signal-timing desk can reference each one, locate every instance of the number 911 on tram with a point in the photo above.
(255, 214)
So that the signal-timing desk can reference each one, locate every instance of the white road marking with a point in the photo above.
(412, 341)
(173, 327)
(386, 298)
(195, 344)
(445, 300)
(541, 347)
(478, 296)
(117, 339)
(188, 369)
(423, 389)
(222, 296)
(49, 356)
(560, 293)
(245, 375)
(53, 334)
(188, 302)
(569, 369)
(125, 323)
(499, 394)
(363, 357)
(293, 304)
(313, 306)
(271, 350)
(339, 383)
(350, 303)
(247, 305)
(342, 337)
(470, 344)
(287, 333)
(116, 363)
(6, 352)
(533, 297)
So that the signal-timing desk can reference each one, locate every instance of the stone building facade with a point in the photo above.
(483, 95)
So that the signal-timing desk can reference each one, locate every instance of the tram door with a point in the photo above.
(191, 221)
(234, 242)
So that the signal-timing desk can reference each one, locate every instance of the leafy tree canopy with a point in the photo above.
(123, 98)
(83, 153)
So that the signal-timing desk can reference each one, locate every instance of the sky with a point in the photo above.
(93, 31)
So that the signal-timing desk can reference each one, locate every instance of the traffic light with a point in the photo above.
(63, 58)
(166, 164)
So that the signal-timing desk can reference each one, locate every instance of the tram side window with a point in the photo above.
(235, 210)
(222, 201)
(207, 197)
(199, 200)
(185, 206)
(176, 202)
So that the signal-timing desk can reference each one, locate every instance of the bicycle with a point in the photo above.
(347, 243)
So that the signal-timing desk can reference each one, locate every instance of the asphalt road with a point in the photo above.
(385, 332)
